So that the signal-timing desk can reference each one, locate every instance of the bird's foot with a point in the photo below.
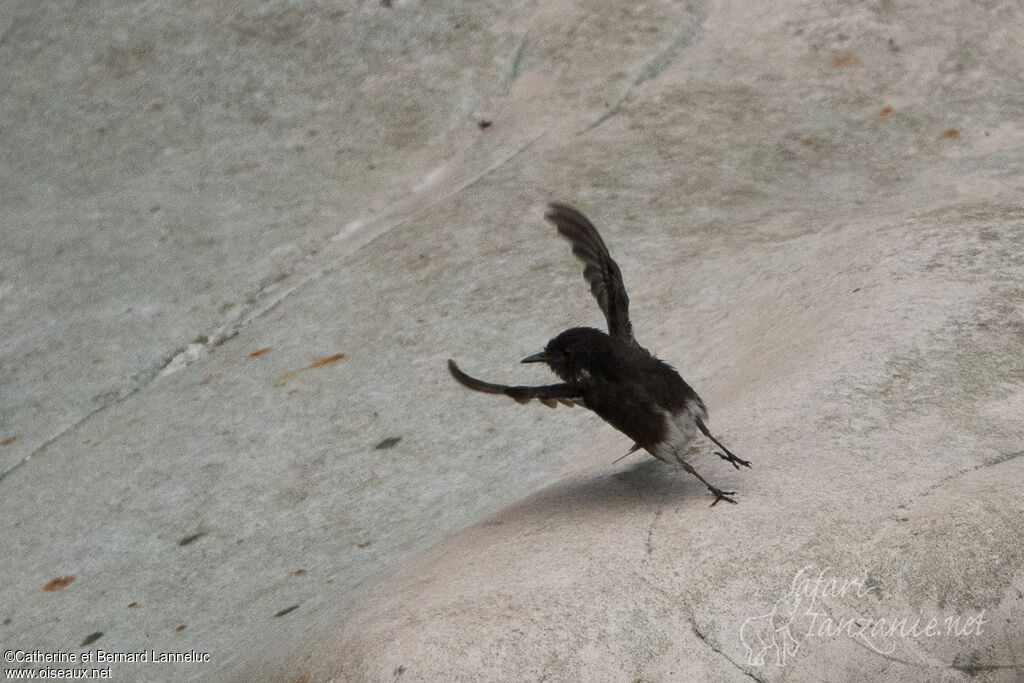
(721, 495)
(733, 458)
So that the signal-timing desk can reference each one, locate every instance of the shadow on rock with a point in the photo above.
(641, 488)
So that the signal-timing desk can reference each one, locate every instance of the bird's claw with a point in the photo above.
(732, 458)
(721, 495)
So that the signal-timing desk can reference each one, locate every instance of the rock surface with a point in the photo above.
(241, 239)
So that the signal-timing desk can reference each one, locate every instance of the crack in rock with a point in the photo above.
(516, 70)
(714, 648)
(269, 293)
(651, 70)
(649, 543)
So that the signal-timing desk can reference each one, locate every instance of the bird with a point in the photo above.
(609, 373)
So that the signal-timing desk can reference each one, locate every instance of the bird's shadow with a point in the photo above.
(644, 486)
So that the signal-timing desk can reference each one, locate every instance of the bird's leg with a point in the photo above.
(728, 456)
(719, 493)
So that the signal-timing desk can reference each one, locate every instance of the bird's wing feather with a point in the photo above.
(550, 395)
(599, 269)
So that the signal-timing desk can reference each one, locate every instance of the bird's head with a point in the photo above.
(576, 354)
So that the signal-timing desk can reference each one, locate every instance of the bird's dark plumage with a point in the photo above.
(599, 269)
(611, 374)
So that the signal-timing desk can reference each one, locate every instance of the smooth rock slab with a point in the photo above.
(885, 438)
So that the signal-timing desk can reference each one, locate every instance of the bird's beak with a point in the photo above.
(536, 358)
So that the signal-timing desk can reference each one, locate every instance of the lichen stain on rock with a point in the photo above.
(125, 60)
(317, 363)
(58, 584)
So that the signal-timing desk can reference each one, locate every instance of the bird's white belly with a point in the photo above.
(682, 427)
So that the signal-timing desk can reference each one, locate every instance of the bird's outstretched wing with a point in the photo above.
(598, 268)
(550, 395)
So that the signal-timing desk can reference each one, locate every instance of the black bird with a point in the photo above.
(611, 374)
